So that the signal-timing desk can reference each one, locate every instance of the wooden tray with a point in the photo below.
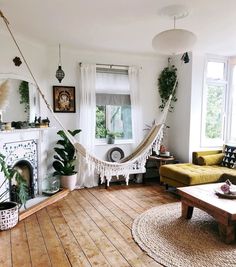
(220, 193)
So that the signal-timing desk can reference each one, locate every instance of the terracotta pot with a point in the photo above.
(9, 215)
(69, 181)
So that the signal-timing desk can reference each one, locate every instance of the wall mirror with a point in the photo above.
(22, 102)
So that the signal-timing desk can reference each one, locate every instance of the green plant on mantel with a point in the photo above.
(24, 95)
(166, 82)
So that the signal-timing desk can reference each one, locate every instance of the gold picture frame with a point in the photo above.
(64, 99)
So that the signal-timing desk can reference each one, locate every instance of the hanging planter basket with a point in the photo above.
(9, 215)
(166, 84)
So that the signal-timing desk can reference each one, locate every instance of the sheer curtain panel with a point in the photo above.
(137, 122)
(87, 120)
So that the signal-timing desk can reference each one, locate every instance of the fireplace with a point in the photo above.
(26, 150)
(24, 157)
(25, 168)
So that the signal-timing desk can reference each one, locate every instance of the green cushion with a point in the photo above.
(215, 159)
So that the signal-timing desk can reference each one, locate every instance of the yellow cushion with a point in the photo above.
(197, 154)
(215, 159)
(190, 174)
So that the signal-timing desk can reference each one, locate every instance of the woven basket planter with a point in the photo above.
(9, 215)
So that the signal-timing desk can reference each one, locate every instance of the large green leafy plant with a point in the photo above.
(12, 174)
(64, 163)
(24, 95)
(166, 83)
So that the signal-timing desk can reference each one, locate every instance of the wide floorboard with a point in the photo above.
(89, 227)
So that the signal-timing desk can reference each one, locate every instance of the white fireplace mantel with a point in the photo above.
(13, 138)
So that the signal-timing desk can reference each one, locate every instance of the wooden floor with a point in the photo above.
(89, 227)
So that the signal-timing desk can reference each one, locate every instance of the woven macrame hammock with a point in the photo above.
(133, 164)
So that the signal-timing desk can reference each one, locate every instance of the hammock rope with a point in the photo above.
(134, 163)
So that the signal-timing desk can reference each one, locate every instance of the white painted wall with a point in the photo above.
(43, 62)
(184, 136)
(151, 67)
(179, 119)
(185, 121)
(198, 64)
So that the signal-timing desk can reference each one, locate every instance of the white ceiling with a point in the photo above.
(121, 25)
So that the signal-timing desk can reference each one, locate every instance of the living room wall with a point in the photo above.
(185, 121)
(150, 69)
(179, 119)
(184, 135)
(44, 61)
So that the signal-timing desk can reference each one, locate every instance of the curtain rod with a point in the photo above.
(110, 65)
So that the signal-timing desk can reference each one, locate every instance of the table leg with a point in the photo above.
(187, 211)
(227, 233)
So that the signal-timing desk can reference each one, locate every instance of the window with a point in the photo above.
(232, 111)
(214, 103)
(113, 106)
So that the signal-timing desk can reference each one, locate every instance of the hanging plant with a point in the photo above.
(166, 82)
(24, 95)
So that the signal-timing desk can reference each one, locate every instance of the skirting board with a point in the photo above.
(24, 214)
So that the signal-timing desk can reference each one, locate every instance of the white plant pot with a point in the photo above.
(69, 181)
(9, 215)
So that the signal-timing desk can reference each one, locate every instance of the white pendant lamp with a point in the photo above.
(174, 41)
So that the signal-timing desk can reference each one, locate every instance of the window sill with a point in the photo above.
(103, 142)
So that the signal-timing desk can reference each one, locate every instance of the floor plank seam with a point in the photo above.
(100, 230)
(114, 230)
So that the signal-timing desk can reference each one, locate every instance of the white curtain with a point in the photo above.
(137, 122)
(87, 121)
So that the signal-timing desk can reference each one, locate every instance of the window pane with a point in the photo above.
(116, 119)
(119, 121)
(232, 136)
(214, 112)
(215, 70)
(100, 122)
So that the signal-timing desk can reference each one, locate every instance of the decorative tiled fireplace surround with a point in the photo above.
(28, 145)
(25, 150)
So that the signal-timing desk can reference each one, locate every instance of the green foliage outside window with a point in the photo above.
(214, 112)
(115, 119)
(101, 122)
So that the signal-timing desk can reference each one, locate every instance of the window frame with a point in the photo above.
(214, 82)
(232, 65)
(103, 141)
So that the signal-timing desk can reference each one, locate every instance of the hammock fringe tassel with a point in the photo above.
(133, 164)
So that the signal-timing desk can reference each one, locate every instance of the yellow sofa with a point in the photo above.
(205, 168)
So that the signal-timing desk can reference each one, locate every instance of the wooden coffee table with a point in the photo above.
(204, 198)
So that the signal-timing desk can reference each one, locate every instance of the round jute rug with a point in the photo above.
(176, 242)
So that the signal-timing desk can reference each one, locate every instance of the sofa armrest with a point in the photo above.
(197, 154)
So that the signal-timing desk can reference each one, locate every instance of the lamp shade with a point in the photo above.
(174, 41)
(60, 74)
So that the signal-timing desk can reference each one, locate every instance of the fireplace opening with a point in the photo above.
(26, 170)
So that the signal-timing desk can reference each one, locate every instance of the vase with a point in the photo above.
(69, 181)
(9, 215)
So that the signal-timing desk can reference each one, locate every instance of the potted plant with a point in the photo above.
(64, 163)
(166, 82)
(9, 211)
(110, 137)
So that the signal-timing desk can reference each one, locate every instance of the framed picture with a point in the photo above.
(64, 99)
